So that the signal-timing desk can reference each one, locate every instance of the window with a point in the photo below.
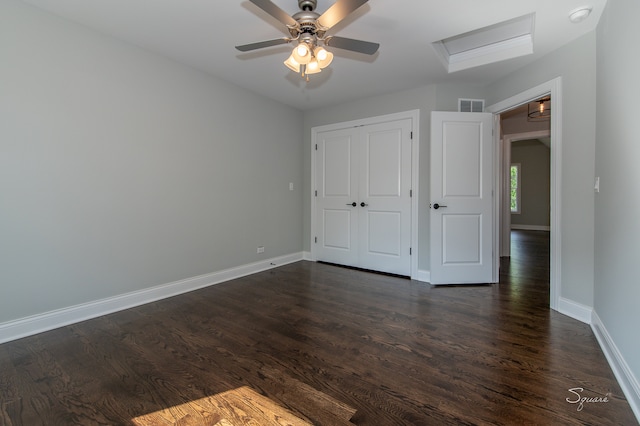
(515, 188)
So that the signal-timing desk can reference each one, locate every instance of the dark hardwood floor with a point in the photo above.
(399, 352)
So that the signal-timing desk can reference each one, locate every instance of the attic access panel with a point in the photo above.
(498, 42)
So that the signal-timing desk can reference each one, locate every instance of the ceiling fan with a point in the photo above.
(308, 29)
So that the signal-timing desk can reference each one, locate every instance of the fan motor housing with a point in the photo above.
(307, 4)
(306, 23)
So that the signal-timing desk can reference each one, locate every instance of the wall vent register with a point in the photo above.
(470, 105)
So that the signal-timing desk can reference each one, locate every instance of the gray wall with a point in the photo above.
(121, 170)
(535, 177)
(617, 205)
(447, 95)
(575, 63)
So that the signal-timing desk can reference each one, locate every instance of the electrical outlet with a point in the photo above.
(290, 186)
(261, 249)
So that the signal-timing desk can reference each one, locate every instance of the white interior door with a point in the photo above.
(461, 213)
(337, 207)
(385, 200)
(363, 201)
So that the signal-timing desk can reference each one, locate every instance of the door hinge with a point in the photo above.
(410, 193)
(411, 135)
(409, 251)
(316, 192)
(316, 147)
(315, 239)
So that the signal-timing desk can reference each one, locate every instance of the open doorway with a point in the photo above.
(553, 89)
(526, 174)
(526, 132)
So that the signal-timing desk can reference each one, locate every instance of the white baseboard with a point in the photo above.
(531, 227)
(35, 324)
(424, 276)
(306, 255)
(627, 381)
(575, 310)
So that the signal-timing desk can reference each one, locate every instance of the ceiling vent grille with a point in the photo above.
(470, 105)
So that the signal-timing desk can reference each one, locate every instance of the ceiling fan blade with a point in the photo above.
(338, 12)
(275, 11)
(359, 46)
(261, 44)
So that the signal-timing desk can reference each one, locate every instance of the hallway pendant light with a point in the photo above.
(539, 110)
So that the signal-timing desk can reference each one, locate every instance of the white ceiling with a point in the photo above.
(203, 33)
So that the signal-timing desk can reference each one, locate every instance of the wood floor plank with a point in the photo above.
(395, 351)
(318, 407)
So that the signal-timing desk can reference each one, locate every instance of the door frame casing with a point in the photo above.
(553, 88)
(414, 116)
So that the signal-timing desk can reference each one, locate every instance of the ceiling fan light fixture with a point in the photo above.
(313, 67)
(302, 54)
(292, 64)
(321, 53)
(323, 56)
(307, 29)
(302, 50)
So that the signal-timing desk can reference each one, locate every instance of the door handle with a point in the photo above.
(363, 204)
(436, 206)
(352, 204)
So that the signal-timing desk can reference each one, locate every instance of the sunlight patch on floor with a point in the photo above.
(240, 406)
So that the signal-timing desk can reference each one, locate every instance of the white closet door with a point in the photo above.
(385, 201)
(337, 196)
(369, 166)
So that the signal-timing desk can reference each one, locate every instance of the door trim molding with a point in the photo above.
(414, 116)
(553, 88)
